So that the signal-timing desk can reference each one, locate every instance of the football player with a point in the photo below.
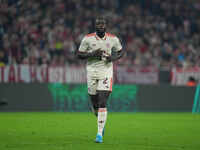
(100, 49)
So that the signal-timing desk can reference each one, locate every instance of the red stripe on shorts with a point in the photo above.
(110, 84)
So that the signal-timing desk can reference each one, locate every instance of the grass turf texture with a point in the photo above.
(77, 131)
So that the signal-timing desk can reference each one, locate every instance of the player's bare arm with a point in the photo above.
(95, 54)
(115, 56)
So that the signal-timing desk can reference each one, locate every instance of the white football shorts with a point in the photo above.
(94, 85)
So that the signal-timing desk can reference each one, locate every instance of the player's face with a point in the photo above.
(100, 26)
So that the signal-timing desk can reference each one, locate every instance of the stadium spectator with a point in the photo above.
(191, 82)
(154, 32)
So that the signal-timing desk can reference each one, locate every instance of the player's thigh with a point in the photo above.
(105, 84)
(103, 98)
(92, 85)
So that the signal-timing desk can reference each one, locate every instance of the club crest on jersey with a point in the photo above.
(107, 45)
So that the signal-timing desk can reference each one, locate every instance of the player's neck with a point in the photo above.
(100, 34)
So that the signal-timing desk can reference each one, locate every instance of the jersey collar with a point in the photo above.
(98, 38)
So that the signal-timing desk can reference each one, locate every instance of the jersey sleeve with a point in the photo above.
(84, 46)
(117, 45)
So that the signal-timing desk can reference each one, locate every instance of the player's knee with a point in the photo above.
(102, 104)
(95, 106)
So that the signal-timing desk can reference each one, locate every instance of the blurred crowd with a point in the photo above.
(153, 32)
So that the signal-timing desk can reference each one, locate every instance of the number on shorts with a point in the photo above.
(105, 81)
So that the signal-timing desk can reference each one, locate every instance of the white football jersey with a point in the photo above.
(91, 42)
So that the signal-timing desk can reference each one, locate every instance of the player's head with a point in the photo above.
(100, 26)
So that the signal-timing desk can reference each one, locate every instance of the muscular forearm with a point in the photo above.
(83, 55)
(116, 55)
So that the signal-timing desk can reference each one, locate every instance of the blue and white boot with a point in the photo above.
(99, 138)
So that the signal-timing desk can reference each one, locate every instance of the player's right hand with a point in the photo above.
(97, 53)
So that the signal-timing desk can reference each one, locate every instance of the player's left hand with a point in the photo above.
(108, 58)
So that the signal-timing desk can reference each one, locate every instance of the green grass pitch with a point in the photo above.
(77, 131)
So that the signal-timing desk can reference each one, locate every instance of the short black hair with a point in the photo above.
(101, 18)
(191, 78)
